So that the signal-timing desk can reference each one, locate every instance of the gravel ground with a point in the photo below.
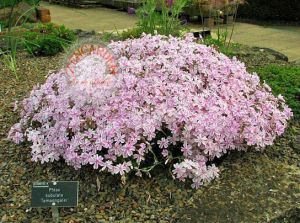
(253, 186)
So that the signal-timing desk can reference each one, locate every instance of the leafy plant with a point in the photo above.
(170, 12)
(43, 45)
(12, 41)
(165, 22)
(284, 80)
(48, 40)
(107, 37)
(14, 17)
(148, 17)
(131, 33)
(60, 31)
(10, 62)
(220, 44)
(9, 3)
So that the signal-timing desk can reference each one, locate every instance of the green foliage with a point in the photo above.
(48, 40)
(60, 31)
(131, 33)
(12, 41)
(15, 15)
(33, 2)
(43, 45)
(221, 44)
(10, 56)
(107, 37)
(165, 22)
(284, 80)
(10, 62)
(10, 3)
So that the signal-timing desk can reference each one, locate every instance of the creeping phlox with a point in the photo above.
(170, 93)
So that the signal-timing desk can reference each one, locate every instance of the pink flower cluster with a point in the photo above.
(201, 101)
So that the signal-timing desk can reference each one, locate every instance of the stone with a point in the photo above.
(42, 11)
(276, 54)
(297, 62)
(271, 57)
(43, 15)
(84, 34)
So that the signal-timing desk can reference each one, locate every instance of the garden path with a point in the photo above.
(285, 39)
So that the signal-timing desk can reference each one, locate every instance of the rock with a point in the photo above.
(276, 54)
(244, 52)
(84, 34)
(297, 62)
(43, 15)
(271, 57)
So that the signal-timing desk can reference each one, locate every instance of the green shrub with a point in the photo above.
(271, 10)
(284, 80)
(221, 44)
(43, 45)
(165, 22)
(151, 21)
(9, 3)
(60, 31)
(131, 33)
(48, 40)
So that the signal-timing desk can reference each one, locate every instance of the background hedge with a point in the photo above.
(286, 10)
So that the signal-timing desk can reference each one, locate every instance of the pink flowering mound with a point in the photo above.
(172, 101)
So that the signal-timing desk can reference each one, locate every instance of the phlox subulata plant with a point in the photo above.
(169, 93)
